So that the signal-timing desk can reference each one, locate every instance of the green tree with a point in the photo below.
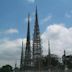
(67, 60)
(54, 61)
(6, 68)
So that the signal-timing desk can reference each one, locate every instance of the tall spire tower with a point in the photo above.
(37, 51)
(27, 59)
(22, 59)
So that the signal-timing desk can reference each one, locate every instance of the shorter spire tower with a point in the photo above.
(65, 62)
(27, 59)
(15, 64)
(22, 59)
(49, 48)
(49, 57)
(64, 53)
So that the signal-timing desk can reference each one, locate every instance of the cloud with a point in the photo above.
(60, 38)
(46, 19)
(68, 15)
(10, 50)
(9, 31)
(31, 1)
(26, 19)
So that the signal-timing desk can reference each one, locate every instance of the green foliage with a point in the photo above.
(67, 60)
(6, 68)
(52, 61)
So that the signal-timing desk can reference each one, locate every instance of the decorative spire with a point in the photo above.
(22, 58)
(65, 62)
(36, 19)
(49, 57)
(27, 60)
(28, 29)
(37, 50)
(64, 53)
(16, 64)
(36, 15)
(49, 48)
